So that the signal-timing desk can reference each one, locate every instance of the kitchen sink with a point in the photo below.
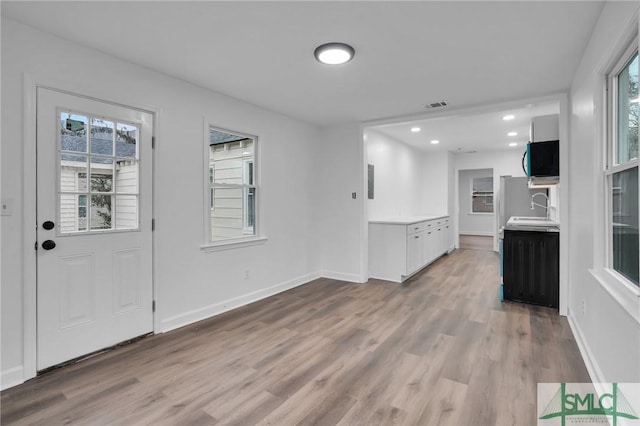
(531, 221)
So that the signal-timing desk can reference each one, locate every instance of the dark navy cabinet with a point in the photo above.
(531, 267)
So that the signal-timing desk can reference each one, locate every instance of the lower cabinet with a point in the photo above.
(531, 267)
(396, 250)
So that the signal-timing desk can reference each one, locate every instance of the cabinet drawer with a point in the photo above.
(416, 227)
(442, 221)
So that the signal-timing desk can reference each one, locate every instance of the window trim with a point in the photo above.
(615, 283)
(258, 237)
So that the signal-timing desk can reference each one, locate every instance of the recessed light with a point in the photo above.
(334, 53)
(513, 144)
(435, 142)
(508, 117)
(512, 134)
(415, 129)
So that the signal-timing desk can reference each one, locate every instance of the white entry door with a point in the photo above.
(94, 249)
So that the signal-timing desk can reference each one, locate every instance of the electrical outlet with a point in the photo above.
(354, 195)
(584, 308)
(246, 274)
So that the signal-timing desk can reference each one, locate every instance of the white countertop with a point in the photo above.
(405, 220)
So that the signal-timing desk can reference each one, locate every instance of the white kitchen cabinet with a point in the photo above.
(400, 247)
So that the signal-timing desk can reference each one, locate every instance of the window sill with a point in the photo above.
(625, 294)
(481, 213)
(233, 244)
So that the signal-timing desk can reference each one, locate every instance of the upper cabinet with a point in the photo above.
(545, 128)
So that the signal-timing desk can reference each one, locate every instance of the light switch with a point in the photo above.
(6, 207)
(353, 195)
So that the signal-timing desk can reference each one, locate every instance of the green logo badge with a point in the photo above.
(588, 406)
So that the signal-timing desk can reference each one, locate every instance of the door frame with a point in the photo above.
(29, 206)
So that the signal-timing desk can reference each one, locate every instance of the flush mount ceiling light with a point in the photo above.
(513, 144)
(512, 134)
(334, 53)
(435, 142)
(508, 117)
(415, 129)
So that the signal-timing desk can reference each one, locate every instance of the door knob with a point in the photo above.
(48, 245)
(48, 225)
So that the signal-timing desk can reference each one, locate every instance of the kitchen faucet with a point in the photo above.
(546, 206)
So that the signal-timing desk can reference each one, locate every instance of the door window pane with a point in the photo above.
(126, 141)
(101, 137)
(126, 209)
(625, 236)
(627, 113)
(73, 132)
(101, 212)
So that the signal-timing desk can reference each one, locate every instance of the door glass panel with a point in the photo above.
(101, 137)
(101, 174)
(73, 132)
(101, 212)
(73, 173)
(126, 210)
(126, 176)
(98, 189)
(126, 140)
(73, 213)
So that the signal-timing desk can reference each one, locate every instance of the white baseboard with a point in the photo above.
(477, 233)
(11, 377)
(340, 276)
(205, 312)
(589, 360)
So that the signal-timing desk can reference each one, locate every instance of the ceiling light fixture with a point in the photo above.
(512, 134)
(435, 142)
(334, 53)
(508, 117)
(415, 129)
(513, 144)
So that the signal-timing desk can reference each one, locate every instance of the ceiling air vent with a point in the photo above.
(436, 105)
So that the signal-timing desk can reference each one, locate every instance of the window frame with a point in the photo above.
(257, 236)
(611, 167)
(88, 192)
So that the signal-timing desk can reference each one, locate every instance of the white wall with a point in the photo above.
(339, 170)
(190, 284)
(398, 181)
(470, 223)
(609, 335)
(408, 181)
(435, 180)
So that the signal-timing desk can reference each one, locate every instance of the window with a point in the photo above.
(97, 174)
(232, 185)
(622, 167)
(482, 195)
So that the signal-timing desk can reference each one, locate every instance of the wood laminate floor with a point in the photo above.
(438, 349)
(476, 242)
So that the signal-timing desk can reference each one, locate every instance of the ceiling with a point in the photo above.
(478, 131)
(407, 53)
